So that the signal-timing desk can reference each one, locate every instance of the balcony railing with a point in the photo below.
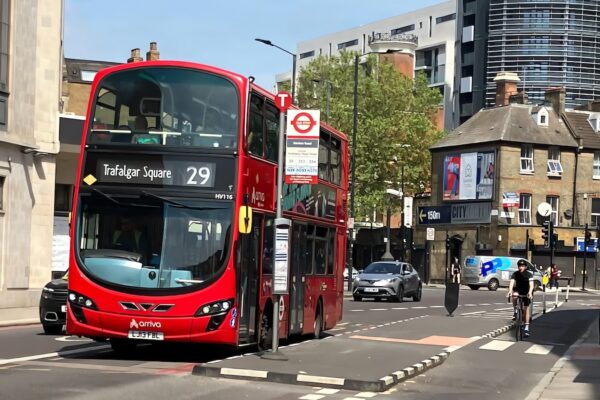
(388, 37)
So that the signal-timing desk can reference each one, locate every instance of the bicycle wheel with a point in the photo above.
(519, 325)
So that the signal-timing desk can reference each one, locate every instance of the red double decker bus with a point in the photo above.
(174, 209)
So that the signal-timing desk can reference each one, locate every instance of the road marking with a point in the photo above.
(55, 354)
(539, 349)
(244, 372)
(436, 306)
(417, 308)
(328, 391)
(366, 395)
(469, 305)
(399, 308)
(474, 312)
(378, 309)
(497, 345)
(429, 340)
(312, 397)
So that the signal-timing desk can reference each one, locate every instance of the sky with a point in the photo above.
(216, 32)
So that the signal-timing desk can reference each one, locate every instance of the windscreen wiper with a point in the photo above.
(178, 204)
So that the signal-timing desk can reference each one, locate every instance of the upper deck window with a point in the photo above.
(166, 106)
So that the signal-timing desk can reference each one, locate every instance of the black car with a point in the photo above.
(53, 306)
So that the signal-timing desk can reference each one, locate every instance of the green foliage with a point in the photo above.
(395, 119)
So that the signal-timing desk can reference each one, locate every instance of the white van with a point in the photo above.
(494, 271)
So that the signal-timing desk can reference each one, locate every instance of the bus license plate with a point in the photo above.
(146, 335)
(371, 290)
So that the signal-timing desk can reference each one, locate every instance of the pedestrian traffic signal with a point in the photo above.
(546, 233)
(554, 240)
(588, 237)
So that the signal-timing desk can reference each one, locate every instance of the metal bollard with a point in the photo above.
(568, 286)
(543, 299)
(556, 299)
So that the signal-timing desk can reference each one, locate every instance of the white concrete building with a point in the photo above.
(30, 79)
(434, 28)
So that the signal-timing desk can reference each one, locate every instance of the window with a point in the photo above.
(307, 54)
(553, 201)
(272, 132)
(329, 158)
(526, 159)
(4, 40)
(554, 166)
(525, 209)
(87, 76)
(268, 252)
(320, 250)
(596, 212)
(347, 44)
(596, 168)
(404, 29)
(255, 136)
(445, 18)
(543, 120)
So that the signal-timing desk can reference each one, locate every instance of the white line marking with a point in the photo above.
(485, 304)
(497, 345)
(539, 349)
(244, 372)
(416, 308)
(378, 309)
(399, 308)
(312, 397)
(436, 306)
(320, 379)
(48, 355)
(328, 391)
(474, 312)
(366, 395)
(469, 305)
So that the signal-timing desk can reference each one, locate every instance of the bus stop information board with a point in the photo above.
(302, 147)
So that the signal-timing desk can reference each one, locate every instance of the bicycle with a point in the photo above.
(519, 317)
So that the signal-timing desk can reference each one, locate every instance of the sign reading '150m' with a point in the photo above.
(164, 172)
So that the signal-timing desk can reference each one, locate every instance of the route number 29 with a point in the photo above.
(198, 176)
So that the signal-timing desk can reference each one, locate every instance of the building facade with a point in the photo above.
(548, 43)
(434, 29)
(491, 174)
(30, 77)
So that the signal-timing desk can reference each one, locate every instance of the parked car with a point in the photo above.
(354, 273)
(392, 280)
(53, 306)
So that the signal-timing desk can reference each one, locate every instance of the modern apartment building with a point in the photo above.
(547, 43)
(30, 76)
(434, 29)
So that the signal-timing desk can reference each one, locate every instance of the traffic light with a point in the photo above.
(554, 240)
(447, 242)
(546, 233)
(588, 236)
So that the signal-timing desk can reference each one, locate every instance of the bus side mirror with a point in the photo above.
(245, 219)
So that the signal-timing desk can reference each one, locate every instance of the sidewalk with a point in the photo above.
(577, 374)
(19, 316)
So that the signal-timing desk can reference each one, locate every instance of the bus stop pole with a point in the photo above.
(275, 354)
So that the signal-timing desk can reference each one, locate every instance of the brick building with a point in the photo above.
(491, 173)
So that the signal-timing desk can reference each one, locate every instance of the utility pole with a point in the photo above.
(586, 242)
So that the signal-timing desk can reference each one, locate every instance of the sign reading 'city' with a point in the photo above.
(467, 213)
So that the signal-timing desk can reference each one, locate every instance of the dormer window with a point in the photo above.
(554, 165)
(540, 116)
(594, 121)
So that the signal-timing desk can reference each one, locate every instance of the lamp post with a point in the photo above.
(387, 256)
(353, 177)
(327, 96)
(269, 43)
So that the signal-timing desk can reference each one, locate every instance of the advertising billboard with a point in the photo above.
(469, 176)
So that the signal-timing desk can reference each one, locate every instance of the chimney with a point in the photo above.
(506, 85)
(153, 54)
(135, 56)
(519, 98)
(556, 98)
(593, 106)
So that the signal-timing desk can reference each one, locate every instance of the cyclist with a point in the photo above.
(521, 283)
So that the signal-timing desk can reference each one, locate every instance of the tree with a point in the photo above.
(395, 118)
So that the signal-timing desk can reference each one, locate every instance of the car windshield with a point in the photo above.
(382, 268)
(153, 242)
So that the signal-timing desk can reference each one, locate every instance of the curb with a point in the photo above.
(20, 322)
(379, 385)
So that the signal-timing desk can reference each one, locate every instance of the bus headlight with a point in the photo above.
(81, 301)
(217, 307)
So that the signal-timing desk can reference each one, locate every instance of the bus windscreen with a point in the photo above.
(165, 106)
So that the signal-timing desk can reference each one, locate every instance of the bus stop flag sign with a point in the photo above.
(302, 146)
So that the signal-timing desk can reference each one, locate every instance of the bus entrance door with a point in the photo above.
(248, 265)
(297, 271)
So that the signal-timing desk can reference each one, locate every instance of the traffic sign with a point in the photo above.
(303, 123)
(430, 233)
(283, 100)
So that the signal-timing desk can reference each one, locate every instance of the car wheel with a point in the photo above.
(52, 329)
(474, 287)
(418, 294)
(493, 284)
(122, 346)
(357, 298)
(400, 294)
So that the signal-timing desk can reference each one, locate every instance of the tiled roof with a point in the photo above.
(512, 123)
(581, 128)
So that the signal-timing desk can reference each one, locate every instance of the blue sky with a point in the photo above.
(216, 32)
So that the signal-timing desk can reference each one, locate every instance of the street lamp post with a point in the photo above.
(353, 177)
(269, 43)
(327, 96)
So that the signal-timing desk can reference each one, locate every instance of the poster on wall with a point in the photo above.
(469, 176)
(451, 177)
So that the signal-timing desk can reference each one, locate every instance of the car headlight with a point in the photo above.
(48, 290)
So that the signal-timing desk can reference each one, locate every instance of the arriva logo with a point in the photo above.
(144, 324)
